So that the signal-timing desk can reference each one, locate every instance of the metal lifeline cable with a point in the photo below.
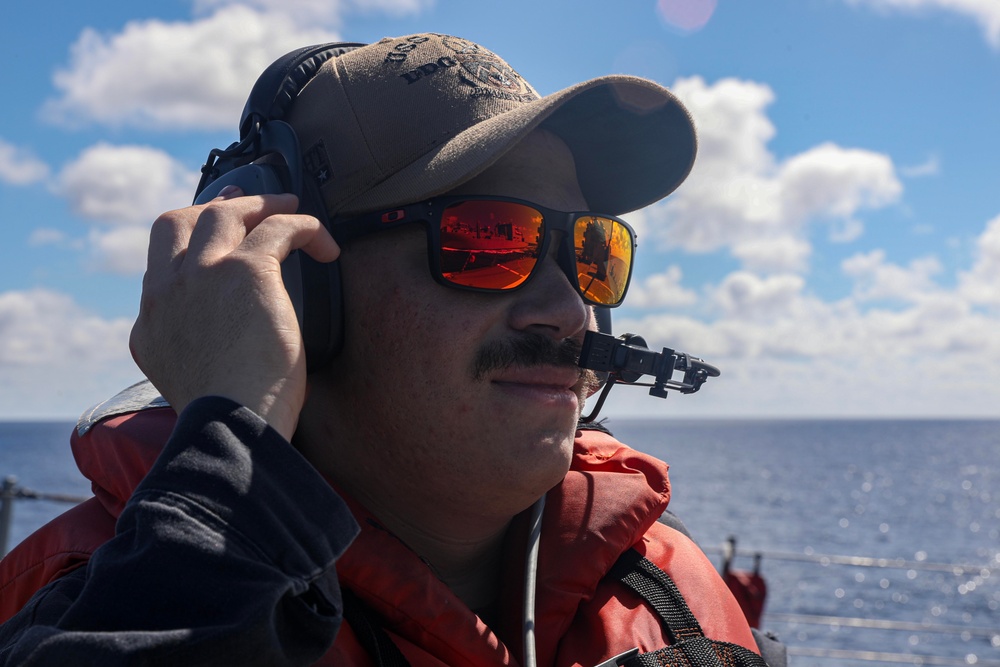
(867, 561)
(882, 656)
(883, 624)
(530, 579)
(958, 569)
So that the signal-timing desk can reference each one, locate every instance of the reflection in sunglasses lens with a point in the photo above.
(494, 245)
(603, 258)
(489, 244)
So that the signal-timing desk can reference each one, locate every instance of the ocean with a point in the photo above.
(879, 540)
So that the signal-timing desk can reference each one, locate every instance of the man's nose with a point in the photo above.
(549, 303)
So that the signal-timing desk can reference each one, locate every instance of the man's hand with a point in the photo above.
(214, 318)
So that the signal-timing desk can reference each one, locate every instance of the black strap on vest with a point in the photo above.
(371, 635)
(689, 647)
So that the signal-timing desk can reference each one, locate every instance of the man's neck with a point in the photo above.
(471, 569)
(465, 554)
(458, 529)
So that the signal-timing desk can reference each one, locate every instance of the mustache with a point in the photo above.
(529, 349)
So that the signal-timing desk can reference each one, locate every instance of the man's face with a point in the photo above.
(422, 404)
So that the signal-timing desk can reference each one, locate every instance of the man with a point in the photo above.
(419, 449)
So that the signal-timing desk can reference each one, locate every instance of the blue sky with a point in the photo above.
(836, 250)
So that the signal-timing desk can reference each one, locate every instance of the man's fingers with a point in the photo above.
(279, 235)
(225, 223)
(169, 237)
(170, 234)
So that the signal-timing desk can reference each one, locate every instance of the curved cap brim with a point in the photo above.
(632, 140)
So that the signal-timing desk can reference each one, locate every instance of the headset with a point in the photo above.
(267, 160)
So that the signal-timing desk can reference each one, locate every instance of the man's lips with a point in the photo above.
(542, 376)
(547, 384)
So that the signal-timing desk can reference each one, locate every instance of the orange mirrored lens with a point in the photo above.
(603, 258)
(489, 244)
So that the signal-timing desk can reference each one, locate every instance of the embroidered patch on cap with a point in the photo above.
(317, 163)
(487, 73)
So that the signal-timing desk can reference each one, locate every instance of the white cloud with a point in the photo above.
(740, 196)
(981, 284)
(930, 167)
(180, 75)
(985, 12)
(19, 166)
(41, 327)
(125, 185)
(783, 352)
(121, 250)
(846, 230)
(57, 358)
(876, 279)
(832, 182)
(749, 297)
(123, 189)
(195, 74)
(900, 344)
(780, 253)
(662, 290)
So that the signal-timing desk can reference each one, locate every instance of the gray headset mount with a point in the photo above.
(222, 166)
(627, 358)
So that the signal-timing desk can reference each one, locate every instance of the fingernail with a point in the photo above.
(230, 191)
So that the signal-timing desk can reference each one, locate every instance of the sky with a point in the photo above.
(835, 251)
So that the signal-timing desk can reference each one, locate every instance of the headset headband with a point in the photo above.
(278, 86)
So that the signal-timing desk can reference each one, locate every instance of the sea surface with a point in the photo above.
(919, 499)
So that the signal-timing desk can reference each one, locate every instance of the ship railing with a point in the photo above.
(965, 633)
(808, 556)
(11, 492)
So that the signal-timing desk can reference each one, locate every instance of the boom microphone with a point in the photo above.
(627, 358)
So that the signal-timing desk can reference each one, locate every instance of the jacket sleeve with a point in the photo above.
(224, 555)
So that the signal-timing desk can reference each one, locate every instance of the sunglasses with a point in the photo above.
(495, 244)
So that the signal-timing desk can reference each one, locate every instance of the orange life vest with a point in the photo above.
(608, 502)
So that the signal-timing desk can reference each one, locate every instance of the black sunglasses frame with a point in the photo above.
(430, 211)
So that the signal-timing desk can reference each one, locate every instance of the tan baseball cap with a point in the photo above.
(409, 118)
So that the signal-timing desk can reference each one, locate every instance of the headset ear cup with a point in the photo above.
(320, 311)
(314, 287)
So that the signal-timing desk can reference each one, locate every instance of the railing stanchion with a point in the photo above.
(6, 511)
